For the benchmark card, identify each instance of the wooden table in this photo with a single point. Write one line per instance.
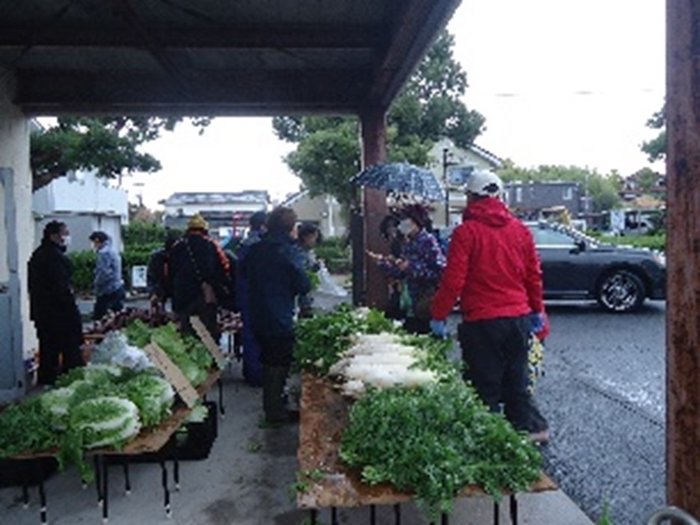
(148, 441)
(323, 416)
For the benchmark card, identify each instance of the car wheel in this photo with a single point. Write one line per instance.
(621, 291)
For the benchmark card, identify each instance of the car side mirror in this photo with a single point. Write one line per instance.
(579, 246)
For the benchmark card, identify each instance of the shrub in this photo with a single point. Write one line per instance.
(336, 254)
(83, 270)
(653, 242)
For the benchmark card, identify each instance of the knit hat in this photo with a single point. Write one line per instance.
(197, 222)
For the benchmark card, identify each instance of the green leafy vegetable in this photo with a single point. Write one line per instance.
(24, 428)
(433, 441)
(152, 395)
(321, 340)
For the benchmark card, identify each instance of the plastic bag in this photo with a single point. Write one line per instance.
(327, 285)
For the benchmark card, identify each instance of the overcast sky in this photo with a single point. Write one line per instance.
(559, 82)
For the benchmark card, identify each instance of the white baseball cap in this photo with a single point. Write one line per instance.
(485, 183)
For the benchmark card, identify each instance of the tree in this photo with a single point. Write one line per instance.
(656, 147)
(109, 145)
(429, 107)
(604, 190)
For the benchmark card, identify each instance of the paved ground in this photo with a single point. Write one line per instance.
(604, 395)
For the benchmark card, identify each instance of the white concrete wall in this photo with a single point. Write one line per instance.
(191, 209)
(14, 153)
(81, 192)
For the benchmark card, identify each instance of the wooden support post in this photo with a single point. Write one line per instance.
(683, 255)
(374, 206)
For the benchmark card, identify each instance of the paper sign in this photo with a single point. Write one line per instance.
(208, 341)
(172, 374)
(138, 276)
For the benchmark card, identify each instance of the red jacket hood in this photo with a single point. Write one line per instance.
(489, 211)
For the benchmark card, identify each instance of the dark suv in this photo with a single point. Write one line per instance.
(575, 266)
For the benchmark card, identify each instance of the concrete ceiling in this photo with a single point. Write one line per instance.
(214, 57)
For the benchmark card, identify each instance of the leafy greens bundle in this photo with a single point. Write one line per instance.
(433, 441)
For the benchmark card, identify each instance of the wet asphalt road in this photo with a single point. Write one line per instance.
(604, 397)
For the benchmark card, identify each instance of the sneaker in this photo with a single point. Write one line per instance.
(540, 438)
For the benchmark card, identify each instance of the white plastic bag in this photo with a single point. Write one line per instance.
(327, 285)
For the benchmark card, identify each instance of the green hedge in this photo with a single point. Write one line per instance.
(336, 254)
(83, 270)
(139, 233)
(84, 265)
(654, 242)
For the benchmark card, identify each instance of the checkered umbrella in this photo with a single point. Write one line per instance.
(401, 177)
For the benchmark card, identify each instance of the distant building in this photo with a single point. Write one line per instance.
(86, 203)
(322, 210)
(529, 199)
(453, 163)
(644, 182)
(224, 211)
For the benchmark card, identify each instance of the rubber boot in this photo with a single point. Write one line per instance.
(274, 406)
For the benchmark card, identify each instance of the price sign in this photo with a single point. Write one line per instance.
(208, 341)
(172, 374)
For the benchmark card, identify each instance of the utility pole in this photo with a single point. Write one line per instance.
(445, 164)
(683, 255)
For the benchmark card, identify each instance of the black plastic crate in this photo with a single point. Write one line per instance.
(30, 472)
(196, 442)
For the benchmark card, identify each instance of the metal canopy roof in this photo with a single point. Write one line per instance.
(214, 56)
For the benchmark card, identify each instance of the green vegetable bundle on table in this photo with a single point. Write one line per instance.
(101, 405)
(415, 423)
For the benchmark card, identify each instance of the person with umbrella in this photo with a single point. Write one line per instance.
(420, 265)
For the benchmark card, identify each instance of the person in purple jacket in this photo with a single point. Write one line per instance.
(420, 265)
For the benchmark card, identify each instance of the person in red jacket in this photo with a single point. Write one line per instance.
(493, 269)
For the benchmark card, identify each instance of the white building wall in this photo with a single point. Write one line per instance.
(190, 209)
(14, 153)
(85, 203)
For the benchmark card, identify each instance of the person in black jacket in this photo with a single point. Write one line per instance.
(52, 305)
(198, 270)
(157, 274)
(275, 275)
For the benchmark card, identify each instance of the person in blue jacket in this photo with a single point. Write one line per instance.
(276, 276)
(252, 366)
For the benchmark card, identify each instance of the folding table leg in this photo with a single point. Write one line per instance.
(176, 472)
(105, 488)
(314, 516)
(444, 519)
(166, 491)
(397, 514)
(222, 410)
(25, 489)
(98, 478)
(334, 516)
(372, 515)
(496, 513)
(127, 480)
(513, 509)
(42, 503)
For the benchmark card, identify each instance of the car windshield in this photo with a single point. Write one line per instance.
(558, 235)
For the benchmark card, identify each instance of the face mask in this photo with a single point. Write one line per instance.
(66, 240)
(405, 226)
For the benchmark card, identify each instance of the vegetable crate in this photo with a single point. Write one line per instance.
(194, 440)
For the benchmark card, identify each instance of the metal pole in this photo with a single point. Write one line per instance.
(447, 186)
(683, 255)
